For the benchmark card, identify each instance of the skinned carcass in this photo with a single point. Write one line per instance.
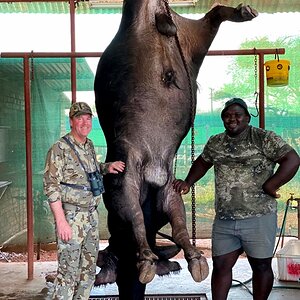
(145, 89)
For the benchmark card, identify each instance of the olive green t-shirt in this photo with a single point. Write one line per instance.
(242, 164)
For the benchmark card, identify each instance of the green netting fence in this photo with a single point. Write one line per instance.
(50, 85)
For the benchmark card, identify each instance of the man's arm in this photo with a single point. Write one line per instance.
(288, 167)
(63, 228)
(197, 171)
(52, 189)
(112, 167)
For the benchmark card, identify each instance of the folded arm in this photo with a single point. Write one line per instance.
(288, 167)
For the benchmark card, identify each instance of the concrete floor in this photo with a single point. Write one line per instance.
(14, 283)
(183, 284)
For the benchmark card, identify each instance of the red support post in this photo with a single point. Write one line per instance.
(261, 102)
(29, 198)
(73, 49)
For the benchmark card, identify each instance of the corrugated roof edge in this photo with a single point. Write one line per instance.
(63, 8)
(84, 8)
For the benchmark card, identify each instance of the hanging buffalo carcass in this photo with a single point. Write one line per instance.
(145, 89)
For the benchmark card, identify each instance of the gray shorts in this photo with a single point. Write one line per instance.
(256, 236)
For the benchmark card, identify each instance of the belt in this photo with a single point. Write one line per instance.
(76, 186)
(74, 207)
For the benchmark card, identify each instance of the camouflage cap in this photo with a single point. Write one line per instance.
(238, 101)
(79, 108)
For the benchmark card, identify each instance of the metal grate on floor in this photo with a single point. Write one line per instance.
(159, 297)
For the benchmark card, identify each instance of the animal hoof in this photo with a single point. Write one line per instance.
(147, 270)
(105, 276)
(198, 268)
(247, 12)
(165, 267)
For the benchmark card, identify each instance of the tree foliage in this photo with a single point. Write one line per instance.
(244, 74)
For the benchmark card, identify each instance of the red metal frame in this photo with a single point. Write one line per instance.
(73, 55)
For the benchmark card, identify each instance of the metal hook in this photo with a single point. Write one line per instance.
(256, 107)
(277, 55)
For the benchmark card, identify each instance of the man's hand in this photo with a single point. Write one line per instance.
(116, 167)
(63, 228)
(64, 231)
(270, 189)
(181, 186)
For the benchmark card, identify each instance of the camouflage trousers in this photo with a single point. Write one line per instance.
(77, 258)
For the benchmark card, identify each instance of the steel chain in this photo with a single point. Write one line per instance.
(193, 104)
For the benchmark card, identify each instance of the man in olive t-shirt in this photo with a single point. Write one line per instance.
(246, 188)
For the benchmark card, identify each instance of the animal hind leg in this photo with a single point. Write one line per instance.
(197, 263)
(241, 13)
(146, 258)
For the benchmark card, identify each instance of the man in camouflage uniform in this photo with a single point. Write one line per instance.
(74, 204)
(244, 159)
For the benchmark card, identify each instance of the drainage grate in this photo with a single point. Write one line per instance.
(159, 297)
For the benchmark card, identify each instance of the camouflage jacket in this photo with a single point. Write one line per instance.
(62, 165)
(241, 165)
